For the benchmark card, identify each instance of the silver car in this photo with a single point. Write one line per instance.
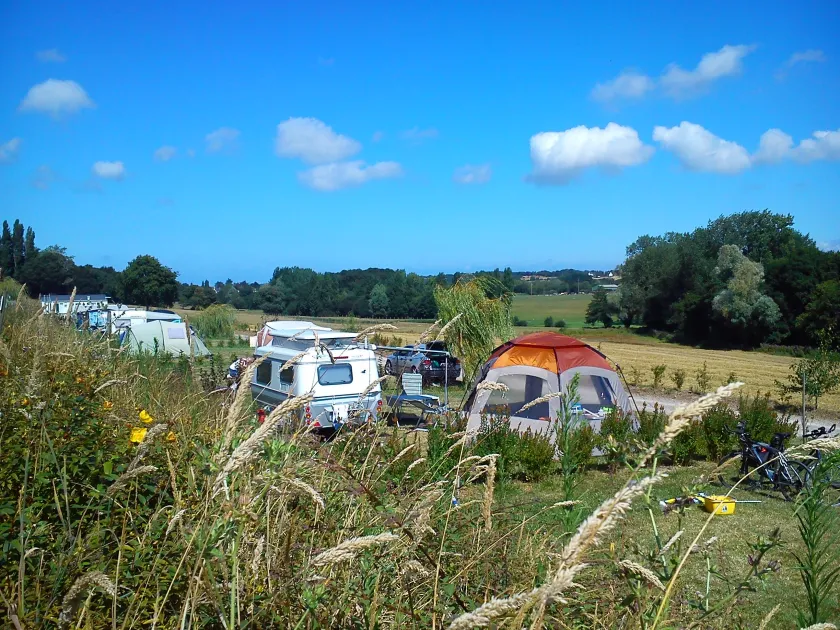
(434, 366)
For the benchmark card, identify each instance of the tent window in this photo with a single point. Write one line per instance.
(522, 388)
(595, 392)
(264, 373)
(176, 332)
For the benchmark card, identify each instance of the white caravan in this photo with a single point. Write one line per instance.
(336, 371)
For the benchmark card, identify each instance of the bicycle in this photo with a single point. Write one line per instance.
(764, 464)
(830, 475)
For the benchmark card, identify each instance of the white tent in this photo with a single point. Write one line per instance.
(164, 337)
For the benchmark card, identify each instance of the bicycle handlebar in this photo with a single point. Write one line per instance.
(821, 431)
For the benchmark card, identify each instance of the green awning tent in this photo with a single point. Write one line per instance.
(164, 337)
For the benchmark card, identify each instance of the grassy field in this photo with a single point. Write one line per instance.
(213, 518)
(535, 308)
(636, 354)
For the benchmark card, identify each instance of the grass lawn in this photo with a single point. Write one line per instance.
(535, 308)
(517, 501)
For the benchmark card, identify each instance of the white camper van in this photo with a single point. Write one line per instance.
(336, 372)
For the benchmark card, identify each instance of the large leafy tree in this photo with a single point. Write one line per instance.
(51, 271)
(742, 306)
(379, 302)
(822, 314)
(601, 309)
(146, 281)
(7, 265)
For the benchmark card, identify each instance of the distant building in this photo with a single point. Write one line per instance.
(608, 287)
(81, 303)
(533, 278)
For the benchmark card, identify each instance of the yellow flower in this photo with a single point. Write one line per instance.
(170, 437)
(145, 417)
(137, 435)
(24, 402)
(107, 405)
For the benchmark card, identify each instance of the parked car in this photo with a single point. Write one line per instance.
(426, 359)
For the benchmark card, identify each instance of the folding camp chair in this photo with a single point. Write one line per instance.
(413, 396)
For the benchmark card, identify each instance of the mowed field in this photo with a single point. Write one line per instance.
(758, 370)
(535, 308)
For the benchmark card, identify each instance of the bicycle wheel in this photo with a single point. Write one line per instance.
(729, 472)
(791, 478)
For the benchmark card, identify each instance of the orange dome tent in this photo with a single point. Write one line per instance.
(535, 365)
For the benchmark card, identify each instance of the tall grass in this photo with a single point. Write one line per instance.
(214, 520)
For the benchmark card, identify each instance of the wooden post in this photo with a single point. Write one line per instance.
(804, 382)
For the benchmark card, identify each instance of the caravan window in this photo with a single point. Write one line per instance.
(522, 388)
(337, 374)
(287, 375)
(264, 372)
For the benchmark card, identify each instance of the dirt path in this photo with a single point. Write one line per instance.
(670, 401)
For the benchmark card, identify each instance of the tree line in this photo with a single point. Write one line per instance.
(741, 281)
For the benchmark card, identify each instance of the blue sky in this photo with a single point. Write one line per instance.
(227, 141)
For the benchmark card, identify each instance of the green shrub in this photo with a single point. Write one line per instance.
(582, 440)
(516, 321)
(635, 376)
(651, 423)
(758, 416)
(731, 378)
(688, 445)
(704, 380)
(560, 323)
(495, 435)
(718, 423)
(534, 458)
(548, 322)
(658, 372)
(678, 378)
(619, 427)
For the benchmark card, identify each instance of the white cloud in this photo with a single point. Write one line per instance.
(53, 55)
(9, 150)
(109, 170)
(165, 153)
(701, 150)
(628, 84)
(313, 141)
(830, 246)
(223, 139)
(805, 56)
(823, 145)
(419, 135)
(56, 97)
(473, 174)
(559, 156)
(715, 65)
(339, 175)
(44, 177)
(774, 146)
(378, 136)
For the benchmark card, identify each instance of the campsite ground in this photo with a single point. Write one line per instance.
(636, 354)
